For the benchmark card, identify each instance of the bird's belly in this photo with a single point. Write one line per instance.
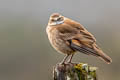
(60, 45)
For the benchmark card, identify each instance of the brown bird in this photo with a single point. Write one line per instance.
(68, 37)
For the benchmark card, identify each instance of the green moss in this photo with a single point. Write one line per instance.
(85, 72)
(80, 71)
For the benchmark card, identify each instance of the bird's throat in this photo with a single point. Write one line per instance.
(57, 23)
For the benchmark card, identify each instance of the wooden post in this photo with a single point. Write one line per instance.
(74, 71)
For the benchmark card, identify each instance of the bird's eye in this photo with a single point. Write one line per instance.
(59, 19)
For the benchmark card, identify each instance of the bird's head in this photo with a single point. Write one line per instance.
(56, 19)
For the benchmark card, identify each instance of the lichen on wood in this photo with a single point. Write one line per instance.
(74, 71)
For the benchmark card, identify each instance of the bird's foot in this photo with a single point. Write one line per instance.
(62, 63)
(69, 62)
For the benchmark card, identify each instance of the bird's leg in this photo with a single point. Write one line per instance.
(64, 59)
(69, 61)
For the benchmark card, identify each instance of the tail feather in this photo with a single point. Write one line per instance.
(102, 55)
(95, 51)
(106, 58)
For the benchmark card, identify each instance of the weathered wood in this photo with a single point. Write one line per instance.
(74, 71)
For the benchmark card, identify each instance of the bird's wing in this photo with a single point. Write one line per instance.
(70, 32)
(76, 40)
(81, 29)
(81, 40)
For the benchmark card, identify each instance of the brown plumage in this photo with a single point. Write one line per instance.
(68, 36)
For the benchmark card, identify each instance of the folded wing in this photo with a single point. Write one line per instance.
(83, 41)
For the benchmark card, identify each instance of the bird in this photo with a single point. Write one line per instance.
(68, 37)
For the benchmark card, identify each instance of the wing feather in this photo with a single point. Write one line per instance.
(79, 39)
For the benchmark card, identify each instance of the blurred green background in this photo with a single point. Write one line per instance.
(25, 52)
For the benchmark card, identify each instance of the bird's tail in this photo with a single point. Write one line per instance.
(95, 51)
(102, 55)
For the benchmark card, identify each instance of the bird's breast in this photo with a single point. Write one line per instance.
(57, 42)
